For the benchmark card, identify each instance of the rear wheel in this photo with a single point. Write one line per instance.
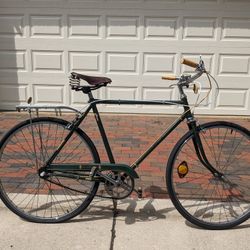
(24, 150)
(203, 199)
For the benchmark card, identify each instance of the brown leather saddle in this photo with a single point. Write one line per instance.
(92, 80)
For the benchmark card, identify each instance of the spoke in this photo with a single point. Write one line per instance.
(232, 147)
(191, 179)
(31, 196)
(18, 152)
(34, 146)
(222, 145)
(207, 198)
(31, 199)
(215, 155)
(48, 137)
(18, 186)
(11, 158)
(198, 201)
(54, 197)
(190, 156)
(41, 143)
(232, 161)
(45, 210)
(27, 142)
(70, 154)
(43, 151)
(51, 199)
(233, 150)
(213, 201)
(55, 136)
(213, 149)
(64, 191)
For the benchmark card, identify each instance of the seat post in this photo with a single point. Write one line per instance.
(91, 97)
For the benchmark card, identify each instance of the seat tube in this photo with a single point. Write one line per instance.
(103, 134)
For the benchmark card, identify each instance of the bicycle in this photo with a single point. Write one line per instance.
(50, 169)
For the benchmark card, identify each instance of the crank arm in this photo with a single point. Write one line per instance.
(106, 177)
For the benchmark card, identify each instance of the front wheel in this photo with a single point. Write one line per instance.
(24, 150)
(203, 199)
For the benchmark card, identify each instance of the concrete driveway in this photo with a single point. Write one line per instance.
(139, 224)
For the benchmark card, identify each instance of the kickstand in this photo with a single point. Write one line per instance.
(115, 207)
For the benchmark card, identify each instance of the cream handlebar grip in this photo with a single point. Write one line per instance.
(171, 78)
(189, 63)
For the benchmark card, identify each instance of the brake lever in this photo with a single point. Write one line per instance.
(172, 85)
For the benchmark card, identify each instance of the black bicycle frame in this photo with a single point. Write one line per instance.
(134, 102)
(93, 106)
(185, 115)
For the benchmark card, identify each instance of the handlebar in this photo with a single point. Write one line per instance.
(184, 79)
(171, 78)
(189, 63)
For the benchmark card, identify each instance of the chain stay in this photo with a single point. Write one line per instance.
(94, 177)
(81, 192)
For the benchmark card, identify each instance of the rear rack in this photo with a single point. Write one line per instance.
(37, 108)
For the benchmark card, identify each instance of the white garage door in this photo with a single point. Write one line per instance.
(133, 42)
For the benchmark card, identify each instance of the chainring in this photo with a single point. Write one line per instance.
(124, 185)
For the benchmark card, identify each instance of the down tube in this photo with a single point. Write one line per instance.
(158, 141)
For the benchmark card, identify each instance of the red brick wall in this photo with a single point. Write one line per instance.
(130, 136)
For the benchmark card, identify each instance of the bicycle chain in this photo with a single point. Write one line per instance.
(81, 192)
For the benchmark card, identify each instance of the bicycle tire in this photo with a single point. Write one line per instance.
(23, 150)
(205, 200)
